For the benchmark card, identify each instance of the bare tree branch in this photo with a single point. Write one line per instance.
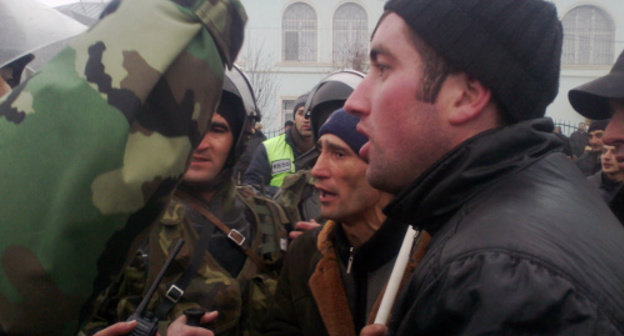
(258, 65)
(353, 56)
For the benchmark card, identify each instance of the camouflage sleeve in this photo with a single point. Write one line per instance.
(92, 145)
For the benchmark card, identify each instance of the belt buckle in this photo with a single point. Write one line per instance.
(174, 293)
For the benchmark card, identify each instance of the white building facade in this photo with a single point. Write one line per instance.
(593, 39)
(292, 44)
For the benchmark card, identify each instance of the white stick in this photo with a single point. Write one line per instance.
(395, 277)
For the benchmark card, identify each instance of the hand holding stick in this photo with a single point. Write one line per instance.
(395, 277)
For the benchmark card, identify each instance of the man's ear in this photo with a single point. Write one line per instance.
(467, 98)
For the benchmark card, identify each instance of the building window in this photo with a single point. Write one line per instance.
(299, 33)
(588, 37)
(350, 31)
(287, 109)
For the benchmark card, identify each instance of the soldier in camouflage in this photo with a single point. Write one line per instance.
(93, 145)
(242, 234)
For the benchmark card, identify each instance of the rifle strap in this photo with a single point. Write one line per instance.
(232, 234)
(176, 290)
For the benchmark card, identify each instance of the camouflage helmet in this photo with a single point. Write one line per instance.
(329, 95)
(237, 88)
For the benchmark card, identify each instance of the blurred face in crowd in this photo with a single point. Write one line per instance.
(595, 140)
(614, 134)
(341, 179)
(406, 134)
(210, 156)
(301, 123)
(581, 127)
(607, 159)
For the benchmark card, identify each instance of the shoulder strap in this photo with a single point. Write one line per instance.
(233, 234)
(176, 290)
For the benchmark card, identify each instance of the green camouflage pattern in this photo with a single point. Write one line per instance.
(299, 198)
(92, 146)
(242, 301)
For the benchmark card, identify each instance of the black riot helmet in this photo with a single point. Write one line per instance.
(329, 95)
(326, 97)
(238, 107)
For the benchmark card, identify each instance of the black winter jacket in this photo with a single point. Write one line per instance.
(311, 296)
(589, 163)
(521, 243)
(608, 188)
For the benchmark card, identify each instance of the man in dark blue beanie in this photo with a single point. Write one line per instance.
(453, 108)
(336, 273)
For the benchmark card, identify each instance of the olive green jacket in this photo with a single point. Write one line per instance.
(241, 299)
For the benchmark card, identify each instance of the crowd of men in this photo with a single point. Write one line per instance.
(136, 153)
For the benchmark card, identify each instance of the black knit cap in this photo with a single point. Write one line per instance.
(513, 47)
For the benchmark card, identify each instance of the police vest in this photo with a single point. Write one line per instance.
(281, 159)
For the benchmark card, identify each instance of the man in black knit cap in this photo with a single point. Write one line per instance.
(453, 109)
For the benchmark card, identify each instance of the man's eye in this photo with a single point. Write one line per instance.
(382, 68)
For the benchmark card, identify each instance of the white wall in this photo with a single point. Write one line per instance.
(572, 76)
(264, 28)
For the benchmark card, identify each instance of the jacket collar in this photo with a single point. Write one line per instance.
(327, 288)
(470, 168)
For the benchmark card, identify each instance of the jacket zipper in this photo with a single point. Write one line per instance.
(350, 260)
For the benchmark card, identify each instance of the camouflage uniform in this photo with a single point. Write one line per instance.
(241, 300)
(299, 198)
(92, 145)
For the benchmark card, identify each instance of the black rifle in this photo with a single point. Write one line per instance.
(147, 322)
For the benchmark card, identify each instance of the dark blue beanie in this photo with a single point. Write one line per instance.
(342, 125)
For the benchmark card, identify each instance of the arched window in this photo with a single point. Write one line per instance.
(350, 29)
(299, 33)
(588, 36)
